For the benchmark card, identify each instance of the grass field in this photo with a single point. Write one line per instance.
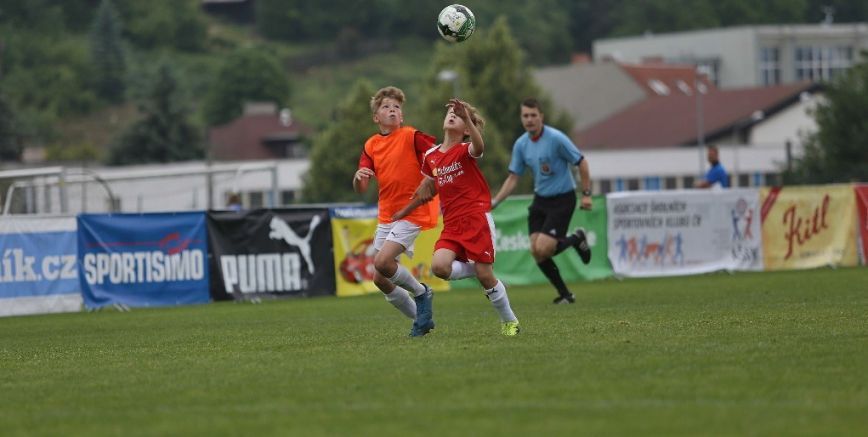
(769, 354)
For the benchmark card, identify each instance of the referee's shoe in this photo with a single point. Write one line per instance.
(581, 245)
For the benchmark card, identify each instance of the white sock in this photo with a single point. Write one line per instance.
(405, 280)
(500, 301)
(401, 300)
(461, 270)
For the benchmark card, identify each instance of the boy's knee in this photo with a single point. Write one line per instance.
(385, 266)
(441, 271)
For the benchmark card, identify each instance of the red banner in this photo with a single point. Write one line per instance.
(862, 211)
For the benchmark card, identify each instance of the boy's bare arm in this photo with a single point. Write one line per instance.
(477, 145)
(361, 179)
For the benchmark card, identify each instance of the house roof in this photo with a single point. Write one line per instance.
(247, 136)
(659, 79)
(672, 120)
(591, 92)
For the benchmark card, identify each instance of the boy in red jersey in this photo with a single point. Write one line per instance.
(387, 156)
(466, 245)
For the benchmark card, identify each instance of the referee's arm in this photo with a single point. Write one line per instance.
(585, 175)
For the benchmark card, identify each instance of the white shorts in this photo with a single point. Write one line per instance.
(401, 232)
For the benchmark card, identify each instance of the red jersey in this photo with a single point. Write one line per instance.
(460, 184)
(395, 159)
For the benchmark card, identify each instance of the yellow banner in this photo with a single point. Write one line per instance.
(807, 227)
(354, 256)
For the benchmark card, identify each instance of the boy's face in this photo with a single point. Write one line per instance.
(452, 121)
(389, 114)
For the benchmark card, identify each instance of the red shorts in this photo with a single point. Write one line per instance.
(470, 236)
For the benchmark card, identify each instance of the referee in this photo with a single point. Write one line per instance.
(549, 154)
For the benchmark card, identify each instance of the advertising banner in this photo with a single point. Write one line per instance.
(271, 253)
(143, 260)
(807, 227)
(514, 264)
(38, 269)
(862, 211)
(663, 233)
(353, 229)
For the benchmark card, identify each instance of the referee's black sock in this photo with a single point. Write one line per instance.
(550, 269)
(564, 243)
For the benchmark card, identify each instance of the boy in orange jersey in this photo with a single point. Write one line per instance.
(466, 245)
(393, 156)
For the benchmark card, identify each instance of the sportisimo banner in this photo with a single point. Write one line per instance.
(662, 233)
(143, 259)
(38, 269)
(271, 253)
(514, 264)
(353, 229)
(806, 227)
(862, 211)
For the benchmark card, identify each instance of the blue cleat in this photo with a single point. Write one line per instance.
(424, 322)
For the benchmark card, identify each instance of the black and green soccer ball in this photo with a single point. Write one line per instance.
(456, 23)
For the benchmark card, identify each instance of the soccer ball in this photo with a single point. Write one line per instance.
(456, 23)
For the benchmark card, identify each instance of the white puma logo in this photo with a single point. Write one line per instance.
(281, 231)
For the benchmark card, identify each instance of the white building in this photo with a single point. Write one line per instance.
(182, 186)
(749, 55)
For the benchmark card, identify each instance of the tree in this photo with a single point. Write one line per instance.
(838, 151)
(493, 77)
(165, 24)
(164, 134)
(335, 152)
(107, 54)
(246, 75)
(10, 140)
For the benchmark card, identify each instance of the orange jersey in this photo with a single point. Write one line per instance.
(396, 161)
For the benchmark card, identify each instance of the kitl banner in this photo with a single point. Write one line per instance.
(514, 265)
(38, 268)
(271, 253)
(862, 211)
(807, 227)
(664, 233)
(143, 260)
(353, 229)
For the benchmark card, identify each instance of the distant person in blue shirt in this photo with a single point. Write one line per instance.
(716, 174)
(550, 155)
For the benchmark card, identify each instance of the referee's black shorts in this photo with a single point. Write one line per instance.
(551, 215)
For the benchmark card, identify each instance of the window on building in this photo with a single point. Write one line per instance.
(821, 63)
(633, 184)
(772, 179)
(671, 182)
(256, 199)
(287, 197)
(744, 180)
(689, 181)
(605, 186)
(711, 69)
(659, 87)
(652, 183)
(770, 66)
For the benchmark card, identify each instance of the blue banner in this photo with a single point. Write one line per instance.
(143, 259)
(38, 264)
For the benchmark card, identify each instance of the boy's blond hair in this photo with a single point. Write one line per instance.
(391, 92)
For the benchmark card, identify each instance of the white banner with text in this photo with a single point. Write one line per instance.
(666, 233)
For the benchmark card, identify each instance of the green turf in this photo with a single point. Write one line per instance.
(768, 354)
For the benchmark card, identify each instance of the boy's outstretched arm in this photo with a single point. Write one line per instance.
(424, 193)
(477, 145)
